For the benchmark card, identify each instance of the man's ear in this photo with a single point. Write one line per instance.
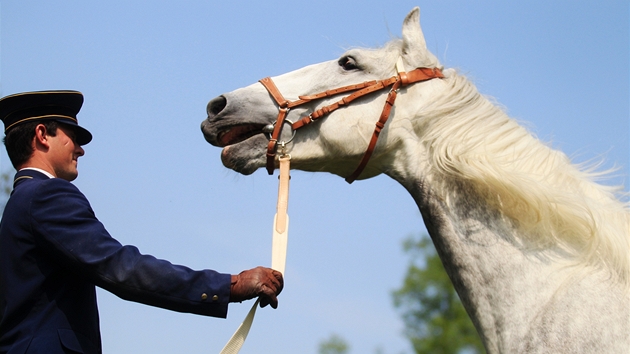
(41, 136)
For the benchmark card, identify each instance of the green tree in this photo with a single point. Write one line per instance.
(333, 345)
(435, 319)
(5, 188)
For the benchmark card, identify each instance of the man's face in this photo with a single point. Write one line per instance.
(64, 153)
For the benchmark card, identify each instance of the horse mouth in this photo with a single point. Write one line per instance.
(238, 133)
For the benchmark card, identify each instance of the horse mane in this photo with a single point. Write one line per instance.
(553, 202)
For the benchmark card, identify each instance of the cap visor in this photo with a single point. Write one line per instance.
(83, 136)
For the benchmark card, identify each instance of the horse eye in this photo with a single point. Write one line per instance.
(348, 63)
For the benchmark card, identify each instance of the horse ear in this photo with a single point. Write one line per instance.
(414, 48)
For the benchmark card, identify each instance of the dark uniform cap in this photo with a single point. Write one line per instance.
(61, 106)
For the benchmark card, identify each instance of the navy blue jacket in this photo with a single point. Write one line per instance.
(54, 251)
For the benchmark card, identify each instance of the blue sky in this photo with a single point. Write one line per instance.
(148, 69)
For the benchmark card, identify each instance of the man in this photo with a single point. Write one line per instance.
(54, 251)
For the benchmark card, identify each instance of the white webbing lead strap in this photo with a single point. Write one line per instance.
(278, 253)
(281, 220)
(235, 343)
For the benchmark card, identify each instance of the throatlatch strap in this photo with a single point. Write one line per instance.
(391, 98)
(278, 253)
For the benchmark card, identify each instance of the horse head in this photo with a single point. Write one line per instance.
(237, 120)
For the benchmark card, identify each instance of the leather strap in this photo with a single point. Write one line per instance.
(272, 147)
(365, 90)
(274, 92)
(389, 103)
(337, 91)
(403, 79)
(283, 110)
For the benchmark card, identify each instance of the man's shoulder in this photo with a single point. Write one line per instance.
(31, 186)
(56, 188)
(45, 200)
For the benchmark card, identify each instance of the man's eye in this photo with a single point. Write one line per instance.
(348, 63)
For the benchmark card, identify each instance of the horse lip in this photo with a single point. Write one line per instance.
(235, 134)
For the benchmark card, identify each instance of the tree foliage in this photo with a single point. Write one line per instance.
(435, 319)
(333, 345)
(5, 188)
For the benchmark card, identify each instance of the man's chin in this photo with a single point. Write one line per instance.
(68, 175)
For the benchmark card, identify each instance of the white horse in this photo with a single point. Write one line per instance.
(537, 251)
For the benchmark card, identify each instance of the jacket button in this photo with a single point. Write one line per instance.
(204, 296)
(215, 298)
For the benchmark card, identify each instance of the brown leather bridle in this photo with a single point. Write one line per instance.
(402, 79)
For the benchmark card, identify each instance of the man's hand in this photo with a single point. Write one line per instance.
(260, 282)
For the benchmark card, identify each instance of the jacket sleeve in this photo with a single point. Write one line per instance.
(68, 229)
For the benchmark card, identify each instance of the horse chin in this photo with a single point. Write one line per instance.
(247, 156)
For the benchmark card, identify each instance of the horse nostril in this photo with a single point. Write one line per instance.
(216, 105)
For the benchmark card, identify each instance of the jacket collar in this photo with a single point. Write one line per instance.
(27, 173)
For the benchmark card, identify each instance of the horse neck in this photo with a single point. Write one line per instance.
(506, 284)
(462, 136)
(492, 276)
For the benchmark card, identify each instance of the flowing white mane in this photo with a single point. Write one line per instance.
(555, 202)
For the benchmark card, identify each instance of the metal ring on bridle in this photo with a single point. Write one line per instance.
(269, 130)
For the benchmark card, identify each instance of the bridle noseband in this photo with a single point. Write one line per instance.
(401, 80)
